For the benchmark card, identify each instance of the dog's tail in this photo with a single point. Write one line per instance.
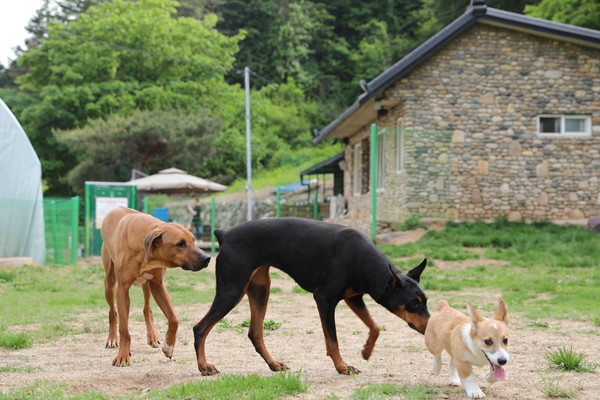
(219, 233)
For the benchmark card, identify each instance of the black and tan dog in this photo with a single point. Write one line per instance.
(332, 261)
(136, 250)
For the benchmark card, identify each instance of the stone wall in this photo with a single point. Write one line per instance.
(471, 144)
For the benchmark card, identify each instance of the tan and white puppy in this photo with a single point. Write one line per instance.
(469, 341)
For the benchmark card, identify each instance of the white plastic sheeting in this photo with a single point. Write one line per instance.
(21, 200)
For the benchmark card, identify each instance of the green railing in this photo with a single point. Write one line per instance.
(61, 225)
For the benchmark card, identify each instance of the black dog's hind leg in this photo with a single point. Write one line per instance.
(326, 307)
(357, 304)
(258, 296)
(225, 300)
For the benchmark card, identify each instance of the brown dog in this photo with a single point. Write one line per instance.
(137, 249)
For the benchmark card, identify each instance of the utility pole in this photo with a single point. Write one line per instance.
(248, 143)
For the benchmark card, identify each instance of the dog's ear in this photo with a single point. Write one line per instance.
(149, 241)
(475, 316)
(502, 312)
(395, 279)
(416, 272)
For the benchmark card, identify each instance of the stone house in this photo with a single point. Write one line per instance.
(496, 115)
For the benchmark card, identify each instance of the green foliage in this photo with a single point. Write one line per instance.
(567, 360)
(271, 325)
(411, 223)
(584, 13)
(116, 58)
(144, 140)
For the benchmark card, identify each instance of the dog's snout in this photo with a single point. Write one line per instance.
(203, 261)
(502, 361)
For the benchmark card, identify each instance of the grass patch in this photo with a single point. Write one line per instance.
(551, 271)
(567, 360)
(235, 387)
(46, 294)
(9, 369)
(384, 391)
(48, 390)
(224, 387)
(299, 290)
(538, 324)
(553, 389)
(9, 340)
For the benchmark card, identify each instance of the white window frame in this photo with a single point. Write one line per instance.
(356, 169)
(563, 133)
(380, 161)
(400, 145)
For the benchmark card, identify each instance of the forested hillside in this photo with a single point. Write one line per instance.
(106, 86)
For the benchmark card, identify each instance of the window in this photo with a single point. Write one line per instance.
(564, 125)
(400, 145)
(356, 169)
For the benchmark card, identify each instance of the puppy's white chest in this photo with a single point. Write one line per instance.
(140, 280)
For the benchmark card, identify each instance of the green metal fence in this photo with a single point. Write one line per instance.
(61, 221)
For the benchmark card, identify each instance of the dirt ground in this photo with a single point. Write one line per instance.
(399, 358)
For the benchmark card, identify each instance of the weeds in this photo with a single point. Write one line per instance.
(566, 360)
(553, 389)
(14, 341)
(411, 223)
(539, 324)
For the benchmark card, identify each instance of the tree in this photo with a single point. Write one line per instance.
(116, 58)
(145, 140)
(584, 13)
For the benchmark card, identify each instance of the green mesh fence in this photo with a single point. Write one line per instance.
(61, 220)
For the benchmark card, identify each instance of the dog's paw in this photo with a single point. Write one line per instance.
(208, 369)
(278, 366)
(454, 381)
(347, 370)
(122, 360)
(168, 350)
(476, 394)
(112, 343)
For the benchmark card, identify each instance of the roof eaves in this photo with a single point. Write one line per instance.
(331, 160)
(542, 26)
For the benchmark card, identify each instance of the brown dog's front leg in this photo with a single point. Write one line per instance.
(110, 284)
(123, 357)
(151, 333)
(162, 298)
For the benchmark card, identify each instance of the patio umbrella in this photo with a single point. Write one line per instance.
(173, 181)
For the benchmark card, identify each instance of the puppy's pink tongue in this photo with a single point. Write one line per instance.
(499, 372)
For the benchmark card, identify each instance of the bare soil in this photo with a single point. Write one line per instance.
(399, 358)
